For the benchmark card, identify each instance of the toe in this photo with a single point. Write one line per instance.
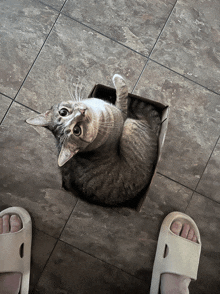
(194, 239)
(5, 226)
(191, 234)
(15, 223)
(176, 227)
(185, 231)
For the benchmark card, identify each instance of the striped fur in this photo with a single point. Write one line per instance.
(113, 158)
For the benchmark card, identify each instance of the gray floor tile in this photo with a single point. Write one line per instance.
(136, 24)
(164, 197)
(72, 271)
(209, 184)
(57, 4)
(24, 26)
(75, 54)
(72, 55)
(206, 214)
(124, 237)
(4, 102)
(193, 127)
(29, 173)
(42, 247)
(124, 240)
(190, 42)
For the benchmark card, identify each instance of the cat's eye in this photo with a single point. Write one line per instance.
(77, 130)
(63, 112)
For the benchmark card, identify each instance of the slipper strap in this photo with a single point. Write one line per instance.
(12, 245)
(182, 256)
(15, 248)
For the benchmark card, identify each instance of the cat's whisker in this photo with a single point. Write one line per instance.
(71, 96)
(80, 91)
(76, 94)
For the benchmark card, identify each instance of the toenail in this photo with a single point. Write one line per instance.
(176, 227)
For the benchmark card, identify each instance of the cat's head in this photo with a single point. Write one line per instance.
(74, 124)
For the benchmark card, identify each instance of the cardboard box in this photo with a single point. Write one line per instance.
(109, 94)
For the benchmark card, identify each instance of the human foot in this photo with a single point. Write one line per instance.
(10, 282)
(172, 283)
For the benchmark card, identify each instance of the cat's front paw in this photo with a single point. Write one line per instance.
(118, 81)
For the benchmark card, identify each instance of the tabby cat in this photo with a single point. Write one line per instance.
(104, 154)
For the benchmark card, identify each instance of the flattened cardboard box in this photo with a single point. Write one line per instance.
(109, 94)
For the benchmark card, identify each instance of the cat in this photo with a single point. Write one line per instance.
(105, 155)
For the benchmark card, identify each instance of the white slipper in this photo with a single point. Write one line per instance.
(182, 255)
(15, 248)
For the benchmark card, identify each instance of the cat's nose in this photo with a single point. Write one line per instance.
(82, 111)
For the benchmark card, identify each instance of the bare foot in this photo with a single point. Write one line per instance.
(10, 282)
(171, 283)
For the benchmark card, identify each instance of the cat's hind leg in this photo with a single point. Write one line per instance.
(121, 94)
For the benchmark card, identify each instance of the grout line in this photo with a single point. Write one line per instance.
(109, 264)
(51, 7)
(202, 176)
(189, 202)
(207, 163)
(19, 104)
(35, 286)
(175, 181)
(193, 190)
(57, 240)
(185, 77)
(6, 112)
(140, 76)
(102, 34)
(6, 96)
(26, 106)
(31, 66)
(37, 56)
(68, 219)
(141, 54)
(158, 37)
(93, 256)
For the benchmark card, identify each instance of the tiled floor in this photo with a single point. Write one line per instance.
(169, 51)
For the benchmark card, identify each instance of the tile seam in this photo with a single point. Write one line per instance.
(4, 116)
(68, 219)
(207, 162)
(95, 257)
(28, 72)
(35, 286)
(185, 77)
(60, 12)
(192, 190)
(6, 96)
(138, 79)
(102, 34)
(163, 28)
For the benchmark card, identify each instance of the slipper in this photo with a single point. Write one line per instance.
(182, 255)
(15, 248)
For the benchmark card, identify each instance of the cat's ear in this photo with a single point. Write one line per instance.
(66, 153)
(41, 120)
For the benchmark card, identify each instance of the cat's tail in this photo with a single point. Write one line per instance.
(121, 94)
